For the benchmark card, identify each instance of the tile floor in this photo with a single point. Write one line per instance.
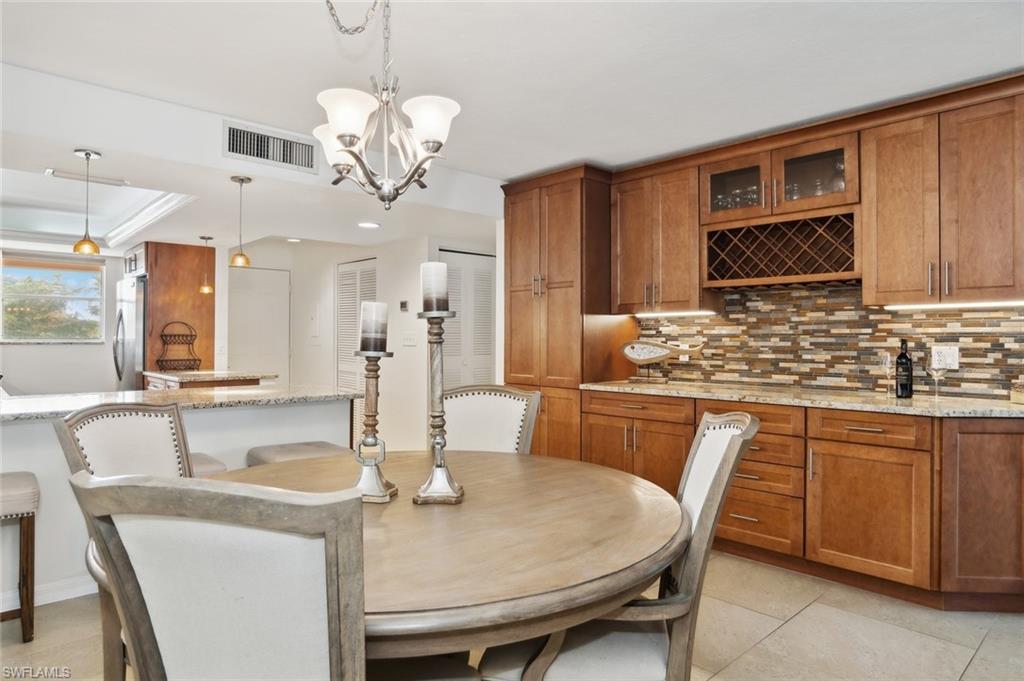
(756, 623)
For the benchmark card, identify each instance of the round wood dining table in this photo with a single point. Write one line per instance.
(538, 545)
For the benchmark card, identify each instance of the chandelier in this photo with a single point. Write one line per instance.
(355, 118)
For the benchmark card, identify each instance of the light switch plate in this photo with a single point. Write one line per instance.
(946, 356)
(409, 340)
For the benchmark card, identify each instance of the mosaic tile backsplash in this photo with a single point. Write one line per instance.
(825, 338)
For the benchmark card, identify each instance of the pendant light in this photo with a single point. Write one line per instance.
(240, 259)
(206, 288)
(85, 245)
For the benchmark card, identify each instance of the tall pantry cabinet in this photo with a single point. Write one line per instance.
(558, 331)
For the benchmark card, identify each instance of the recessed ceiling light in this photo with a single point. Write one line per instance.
(369, 225)
(293, 240)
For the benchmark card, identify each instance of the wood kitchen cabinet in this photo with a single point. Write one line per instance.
(981, 193)
(809, 175)
(656, 244)
(173, 272)
(522, 269)
(869, 510)
(900, 212)
(557, 432)
(983, 505)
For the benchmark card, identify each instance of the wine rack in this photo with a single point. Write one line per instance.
(814, 248)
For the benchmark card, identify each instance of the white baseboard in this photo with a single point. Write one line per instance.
(51, 593)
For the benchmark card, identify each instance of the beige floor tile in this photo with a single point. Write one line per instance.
(81, 658)
(966, 628)
(698, 674)
(56, 623)
(823, 643)
(1001, 655)
(725, 631)
(768, 590)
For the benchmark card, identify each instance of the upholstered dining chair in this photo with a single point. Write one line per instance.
(490, 418)
(645, 640)
(274, 588)
(126, 439)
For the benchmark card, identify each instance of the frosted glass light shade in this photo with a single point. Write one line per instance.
(431, 117)
(332, 147)
(347, 110)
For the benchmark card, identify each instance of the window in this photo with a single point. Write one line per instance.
(51, 299)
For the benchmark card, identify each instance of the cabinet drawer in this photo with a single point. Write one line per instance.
(155, 383)
(888, 430)
(778, 449)
(653, 408)
(770, 477)
(771, 521)
(775, 419)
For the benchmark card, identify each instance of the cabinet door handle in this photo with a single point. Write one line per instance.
(748, 518)
(931, 266)
(748, 476)
(764, 193)
(534, 285)
(775, 194)
(645, 295)
(540, 284)
(945, 283)
(754, 448)
(625, 438)
(634, 437)
(810, 463)
(654, 294)
(632, 406)
(864, 429)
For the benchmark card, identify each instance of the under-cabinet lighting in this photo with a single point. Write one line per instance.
(665, 315)
(982, 305)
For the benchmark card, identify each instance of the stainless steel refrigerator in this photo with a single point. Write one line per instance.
(130, 333)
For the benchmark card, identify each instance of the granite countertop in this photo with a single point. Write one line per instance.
(197, 376)
(923, 404)
(33, 407)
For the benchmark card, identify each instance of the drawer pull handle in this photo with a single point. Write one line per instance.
(632, 406)
(737, 516)
(865, 429)
(748, 476)
(754, 448)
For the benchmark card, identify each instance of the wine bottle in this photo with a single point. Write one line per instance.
(904, 372)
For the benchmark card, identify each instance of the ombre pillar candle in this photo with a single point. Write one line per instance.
(373, 334)
(434, 280)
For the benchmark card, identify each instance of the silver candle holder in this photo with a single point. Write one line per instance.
(375, 488)
(440, 487)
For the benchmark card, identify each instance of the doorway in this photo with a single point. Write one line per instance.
(469, 337)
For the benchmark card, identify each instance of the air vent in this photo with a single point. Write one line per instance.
(263, 146)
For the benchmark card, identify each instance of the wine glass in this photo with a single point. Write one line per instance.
(936, 372)
(885, 361)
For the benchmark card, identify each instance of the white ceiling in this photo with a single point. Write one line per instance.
(38, 203)
(541, 84)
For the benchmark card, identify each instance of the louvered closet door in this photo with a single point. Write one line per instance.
(469, 337)
(356, 282)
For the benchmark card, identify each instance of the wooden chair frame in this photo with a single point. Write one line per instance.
(532, 400)
(679, 592)
(337, 517)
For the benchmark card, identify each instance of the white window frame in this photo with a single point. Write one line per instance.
(42, 259)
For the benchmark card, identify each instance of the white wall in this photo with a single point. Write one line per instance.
(66, 367)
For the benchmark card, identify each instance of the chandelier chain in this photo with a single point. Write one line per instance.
(352, 30)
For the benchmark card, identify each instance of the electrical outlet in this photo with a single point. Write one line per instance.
(946, 356)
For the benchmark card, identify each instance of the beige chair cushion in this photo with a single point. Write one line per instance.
(595, 651)
(292, 451)
(19, 494)
(420, 669)
(204, 465)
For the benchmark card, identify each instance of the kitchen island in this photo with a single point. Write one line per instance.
(221, 422)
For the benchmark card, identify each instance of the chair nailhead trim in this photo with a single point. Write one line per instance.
(122, 414)
(16, 515)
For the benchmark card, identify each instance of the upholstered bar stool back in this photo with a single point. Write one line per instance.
(490, 418)
(19, 498)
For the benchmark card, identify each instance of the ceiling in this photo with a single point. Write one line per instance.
(541, 84)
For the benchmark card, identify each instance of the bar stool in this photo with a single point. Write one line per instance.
(19, 498)
(292, 451)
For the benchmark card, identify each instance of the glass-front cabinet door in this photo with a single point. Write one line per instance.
(815, 174)
(735, 189)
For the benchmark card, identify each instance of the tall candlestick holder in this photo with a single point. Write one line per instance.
(375, 488)
(440, 487)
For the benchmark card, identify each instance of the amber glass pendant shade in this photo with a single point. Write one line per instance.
(240, 259)
(86, 246)
(206, 288)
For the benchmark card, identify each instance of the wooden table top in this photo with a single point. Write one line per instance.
(533, 535)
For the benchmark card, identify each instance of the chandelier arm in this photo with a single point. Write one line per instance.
(371, 175)
(356, 182)
(407, 145)
(413, 173)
